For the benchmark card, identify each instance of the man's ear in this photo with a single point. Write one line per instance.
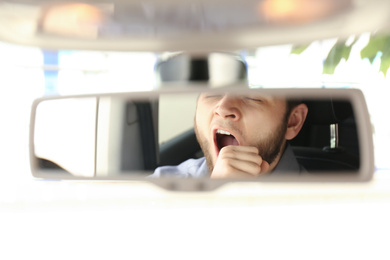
(295, 121)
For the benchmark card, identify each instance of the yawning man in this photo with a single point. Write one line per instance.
(242, 137)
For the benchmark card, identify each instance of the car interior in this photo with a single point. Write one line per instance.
(107, 51)
(328, 140)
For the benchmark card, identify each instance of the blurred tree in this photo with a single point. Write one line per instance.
(378, 46)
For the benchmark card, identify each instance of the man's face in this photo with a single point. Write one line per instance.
(258, 121)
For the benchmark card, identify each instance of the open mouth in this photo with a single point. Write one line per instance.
(224, 138)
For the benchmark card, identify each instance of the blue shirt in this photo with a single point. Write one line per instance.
(197, 168)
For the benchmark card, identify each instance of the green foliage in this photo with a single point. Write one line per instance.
(378, 44)
(299, 49)
(377, 47)
(338, 52)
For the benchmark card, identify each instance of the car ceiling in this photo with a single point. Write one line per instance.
(194, 25)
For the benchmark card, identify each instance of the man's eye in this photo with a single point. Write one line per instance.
(213, 96)
(254, 99)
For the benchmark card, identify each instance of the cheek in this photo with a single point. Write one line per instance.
(264, 124)
(200, 122)
(202, 115)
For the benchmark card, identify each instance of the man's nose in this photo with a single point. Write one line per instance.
(229, 107)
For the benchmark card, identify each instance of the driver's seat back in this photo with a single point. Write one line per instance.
(312, 146)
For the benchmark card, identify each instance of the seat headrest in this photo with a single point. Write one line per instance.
(328, 112)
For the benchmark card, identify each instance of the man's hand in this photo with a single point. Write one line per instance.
(239, 162)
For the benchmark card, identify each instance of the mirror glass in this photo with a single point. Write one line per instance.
(251, 133)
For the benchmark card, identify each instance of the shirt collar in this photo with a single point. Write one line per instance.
(288, 163)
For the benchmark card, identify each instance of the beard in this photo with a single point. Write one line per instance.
(269, 145)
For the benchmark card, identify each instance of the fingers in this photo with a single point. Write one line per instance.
(264, 167)
(239, 162)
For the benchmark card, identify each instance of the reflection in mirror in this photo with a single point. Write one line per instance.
(65, 135)
(214, 134)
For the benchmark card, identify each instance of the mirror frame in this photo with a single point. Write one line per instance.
(355, 96)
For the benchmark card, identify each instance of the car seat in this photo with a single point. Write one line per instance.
(328, 140)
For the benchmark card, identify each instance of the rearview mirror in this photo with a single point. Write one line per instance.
(127, 136)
